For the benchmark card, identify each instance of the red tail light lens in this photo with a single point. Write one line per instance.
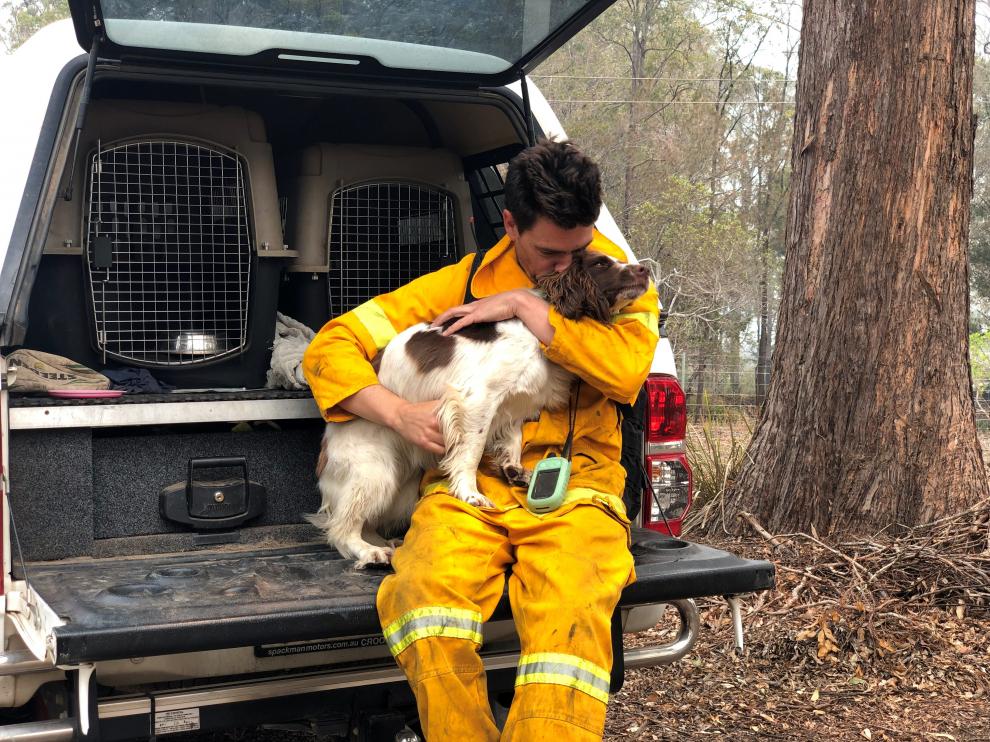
(667, 411)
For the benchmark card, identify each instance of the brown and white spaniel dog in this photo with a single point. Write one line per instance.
(489, 377)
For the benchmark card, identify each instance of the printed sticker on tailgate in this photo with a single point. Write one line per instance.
(324, 645)
(180, 720)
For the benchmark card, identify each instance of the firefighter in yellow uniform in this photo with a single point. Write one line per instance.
(569, 566)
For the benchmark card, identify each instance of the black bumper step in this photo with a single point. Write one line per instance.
(121, 608)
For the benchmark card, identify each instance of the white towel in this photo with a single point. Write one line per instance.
(291, 340)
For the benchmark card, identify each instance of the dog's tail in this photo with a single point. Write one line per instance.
(321, 519)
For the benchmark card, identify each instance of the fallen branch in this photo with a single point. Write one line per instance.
(755, 525)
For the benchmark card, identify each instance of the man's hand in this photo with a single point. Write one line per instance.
(494, 308)
(520, 303)
(417, 422)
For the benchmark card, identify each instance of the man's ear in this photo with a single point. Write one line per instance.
(509, 222)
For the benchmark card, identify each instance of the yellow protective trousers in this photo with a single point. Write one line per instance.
(567, 571)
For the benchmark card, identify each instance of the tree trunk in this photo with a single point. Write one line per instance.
(734, 365)
(629, 148)
(637, 69)
(763, 342)
(869, 418)
(698, 385)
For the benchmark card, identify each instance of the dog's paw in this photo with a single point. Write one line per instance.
(476, 499)
(517, 476)
(375, 556)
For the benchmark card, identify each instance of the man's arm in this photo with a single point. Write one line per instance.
(337, 362)
(613, 358)
(416, 422)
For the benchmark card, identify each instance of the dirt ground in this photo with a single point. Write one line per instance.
(815, 669)
(866, 640)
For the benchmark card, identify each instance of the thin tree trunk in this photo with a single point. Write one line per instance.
(637, 71)
(735, 363)
(869, 419)
(763, 340)
(629, 172)
(700, 372)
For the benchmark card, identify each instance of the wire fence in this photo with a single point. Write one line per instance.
(715, 389)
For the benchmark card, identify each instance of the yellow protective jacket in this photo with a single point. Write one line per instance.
(613, 361)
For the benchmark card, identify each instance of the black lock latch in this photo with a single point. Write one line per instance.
(212, 504)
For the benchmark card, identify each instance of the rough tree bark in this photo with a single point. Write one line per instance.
(869, 418)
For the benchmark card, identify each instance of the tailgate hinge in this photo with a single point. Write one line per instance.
(32, 620)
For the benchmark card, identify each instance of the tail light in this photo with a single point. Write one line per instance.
(665, 506)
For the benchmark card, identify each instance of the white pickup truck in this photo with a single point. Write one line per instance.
(169, 187)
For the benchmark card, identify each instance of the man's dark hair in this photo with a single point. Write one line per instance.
(554, 180)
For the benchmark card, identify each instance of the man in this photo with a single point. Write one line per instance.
(568, 566)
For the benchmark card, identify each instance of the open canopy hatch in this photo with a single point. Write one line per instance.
(465, 42)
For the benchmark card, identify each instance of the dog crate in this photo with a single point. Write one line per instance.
(169, 252)
(366, 220)
(383, 235)
(166, 255)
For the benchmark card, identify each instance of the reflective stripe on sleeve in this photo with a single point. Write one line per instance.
(564, 669)
(434, 487)
(376, 322)
(432, 621)
(649, 320)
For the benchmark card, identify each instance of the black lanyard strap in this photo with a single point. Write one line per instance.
(571, 420)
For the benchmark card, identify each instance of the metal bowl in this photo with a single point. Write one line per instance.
(195, 344)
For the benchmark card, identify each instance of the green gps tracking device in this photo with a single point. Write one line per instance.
(548, 485)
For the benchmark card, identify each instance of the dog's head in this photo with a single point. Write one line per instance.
(595, 286)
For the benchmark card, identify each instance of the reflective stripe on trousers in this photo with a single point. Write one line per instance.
(432, 621)
(566, 670)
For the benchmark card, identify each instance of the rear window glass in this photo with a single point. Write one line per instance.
(483, 36)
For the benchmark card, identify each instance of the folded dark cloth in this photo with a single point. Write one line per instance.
(136, 381)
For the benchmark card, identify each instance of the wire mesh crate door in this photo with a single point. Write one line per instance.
(176, 290)
(383, 235)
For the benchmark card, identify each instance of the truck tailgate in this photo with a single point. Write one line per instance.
(120, 608)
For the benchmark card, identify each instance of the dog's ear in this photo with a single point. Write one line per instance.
(574, 294)
(598, 306)
(564, 292)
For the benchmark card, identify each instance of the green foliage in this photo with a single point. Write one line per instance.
(25, 17)
(979, 361)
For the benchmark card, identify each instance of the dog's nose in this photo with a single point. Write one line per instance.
(638, 269)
